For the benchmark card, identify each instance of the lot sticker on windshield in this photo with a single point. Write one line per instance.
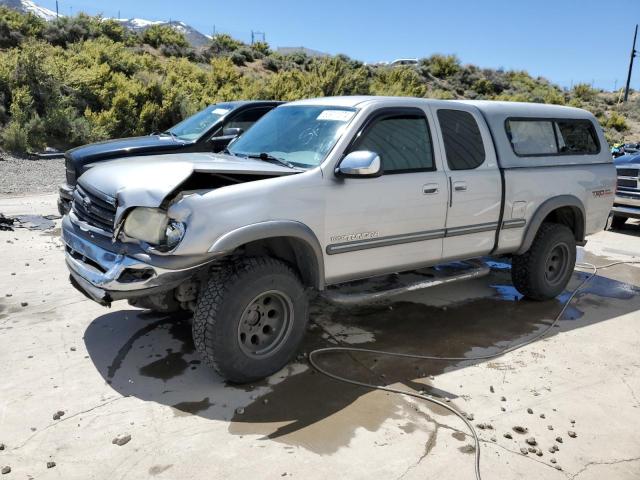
(335, 115)
(220, 111)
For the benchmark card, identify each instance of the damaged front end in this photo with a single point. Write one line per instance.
(127, 221)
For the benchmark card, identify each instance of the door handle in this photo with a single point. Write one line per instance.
(430, 188)
(460, 186)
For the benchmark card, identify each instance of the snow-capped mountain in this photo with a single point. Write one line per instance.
(194, 37)
(27, 6)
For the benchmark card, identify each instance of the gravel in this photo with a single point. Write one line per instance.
(22, 175)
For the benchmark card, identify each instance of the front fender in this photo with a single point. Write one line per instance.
(228, 242)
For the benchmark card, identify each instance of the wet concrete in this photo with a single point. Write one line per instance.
(30, 222)
(133, 372)
(298, 409)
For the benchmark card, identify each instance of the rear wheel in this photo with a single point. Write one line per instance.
(250, 318)
(544, 271)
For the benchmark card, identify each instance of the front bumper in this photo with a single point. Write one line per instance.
(106, 276)
(65, 198)
(627, 204)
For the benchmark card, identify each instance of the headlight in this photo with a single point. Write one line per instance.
(151, 225)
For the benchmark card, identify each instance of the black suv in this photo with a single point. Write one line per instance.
(209, 130)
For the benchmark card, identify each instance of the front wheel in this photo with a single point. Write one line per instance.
(250, 318)
(544, 271)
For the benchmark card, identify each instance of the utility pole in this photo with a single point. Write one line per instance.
(57, 10)
(633, 54)
(257, 34)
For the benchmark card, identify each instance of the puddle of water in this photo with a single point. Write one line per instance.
(167, 367)
(191, 408)
(36, 222)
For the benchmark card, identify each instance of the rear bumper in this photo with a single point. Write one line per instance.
(106, 276)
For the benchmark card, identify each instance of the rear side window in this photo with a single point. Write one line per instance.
(546, 137)
(576, 138)
(402, 142)
(462, 140)
(246, 119)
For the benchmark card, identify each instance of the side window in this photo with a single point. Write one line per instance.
(462, 139)
(246, 119)
(552, 137)
(532, 137)
(402, 141)
(577, 138)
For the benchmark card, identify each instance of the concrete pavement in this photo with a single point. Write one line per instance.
(123, 371)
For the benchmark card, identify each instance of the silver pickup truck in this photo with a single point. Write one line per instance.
(323, 192)
(627, 200)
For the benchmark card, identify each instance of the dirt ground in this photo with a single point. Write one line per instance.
(77, 377)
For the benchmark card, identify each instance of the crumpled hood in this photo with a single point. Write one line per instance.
(146, 181)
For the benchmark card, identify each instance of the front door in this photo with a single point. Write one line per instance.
(475, 188)
(395, 221)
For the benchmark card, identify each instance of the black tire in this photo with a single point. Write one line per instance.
(544, 270)
(243, 290)
(616, 222)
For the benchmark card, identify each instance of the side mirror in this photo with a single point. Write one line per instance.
(232, 132)
(360, 164)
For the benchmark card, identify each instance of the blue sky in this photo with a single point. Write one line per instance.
(566, 41)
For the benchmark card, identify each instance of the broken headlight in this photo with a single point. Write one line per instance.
(153, 226)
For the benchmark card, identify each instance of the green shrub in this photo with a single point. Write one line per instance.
(222, 44)
(442, 66)
(584, 92)
(237, 58)
(247, 53)
(262, 47)
(272, 63)
(616, 122)
(15, 27)
(164, 36)
(400, 81)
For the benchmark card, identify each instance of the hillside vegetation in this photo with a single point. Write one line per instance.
(82, 79)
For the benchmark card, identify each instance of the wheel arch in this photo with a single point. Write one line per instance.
(288, 240)
(564, 209)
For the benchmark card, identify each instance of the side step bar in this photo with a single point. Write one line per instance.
(378, 289)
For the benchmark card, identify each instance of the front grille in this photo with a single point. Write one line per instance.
(70, 171)
(94, 210)
(627, 183)
(627, 172)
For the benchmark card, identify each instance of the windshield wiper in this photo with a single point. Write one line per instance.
(169, 132)
(266, 157)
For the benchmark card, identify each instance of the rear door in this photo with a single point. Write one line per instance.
(475, 189)
(395, 221)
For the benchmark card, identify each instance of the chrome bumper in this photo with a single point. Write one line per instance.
(627, 204)
(106, 276)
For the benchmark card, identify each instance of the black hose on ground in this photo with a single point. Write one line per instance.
(321, 351)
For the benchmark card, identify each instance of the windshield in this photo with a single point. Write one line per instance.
(193, 127)
(300, 135)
